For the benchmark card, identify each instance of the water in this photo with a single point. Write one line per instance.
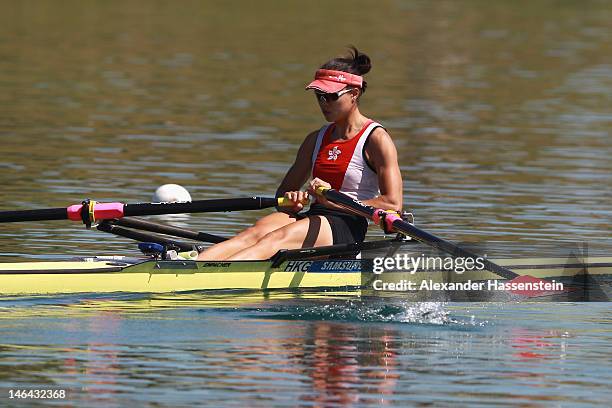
(499, 112)
(501, 116)
(242, 348)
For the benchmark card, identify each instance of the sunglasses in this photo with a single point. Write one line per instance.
(331, 97)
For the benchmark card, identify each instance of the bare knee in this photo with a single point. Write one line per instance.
(266, 225)
(273, 238)
(251, 235)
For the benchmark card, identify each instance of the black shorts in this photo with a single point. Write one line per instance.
(346, 228)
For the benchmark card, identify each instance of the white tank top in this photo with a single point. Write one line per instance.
(342, 163)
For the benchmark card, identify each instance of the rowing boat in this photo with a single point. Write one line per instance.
(101, 275)
(346, 266)
(288, 270)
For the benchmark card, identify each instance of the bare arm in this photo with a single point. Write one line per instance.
(382, 155)
(299, 171)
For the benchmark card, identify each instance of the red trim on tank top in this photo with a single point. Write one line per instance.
(335, 172)
(330, 130)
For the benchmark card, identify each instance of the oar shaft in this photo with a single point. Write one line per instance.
(138, 223)
(225, 205)
(404, 227)
(141, 236)
(106, 211)
(48, 214)
(449, 247)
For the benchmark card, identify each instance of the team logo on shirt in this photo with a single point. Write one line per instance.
(334, 153)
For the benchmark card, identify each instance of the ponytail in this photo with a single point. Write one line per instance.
(356, 63)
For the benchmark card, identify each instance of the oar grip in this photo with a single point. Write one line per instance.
(321, 190)
(283, 202)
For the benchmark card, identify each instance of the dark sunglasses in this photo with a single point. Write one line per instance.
(332, 96)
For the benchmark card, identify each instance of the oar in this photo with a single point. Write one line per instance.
(139, 236)
(144, 225)
(90, 211)
(394, 222)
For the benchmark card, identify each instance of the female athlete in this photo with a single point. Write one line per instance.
(352, 154)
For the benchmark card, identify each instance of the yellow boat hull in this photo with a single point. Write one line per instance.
(164, 276)
(154, 276)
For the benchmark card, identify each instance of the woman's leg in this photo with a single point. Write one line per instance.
(308, 232)
(246, 238)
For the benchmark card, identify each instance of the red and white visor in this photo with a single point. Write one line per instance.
(330, 81)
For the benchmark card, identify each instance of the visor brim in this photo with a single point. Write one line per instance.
(326, 86)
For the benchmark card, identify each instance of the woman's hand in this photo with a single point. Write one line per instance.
(299, 198)
(312, 189)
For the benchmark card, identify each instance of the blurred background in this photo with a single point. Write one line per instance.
(500, 110)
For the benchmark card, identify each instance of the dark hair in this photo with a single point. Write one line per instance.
(356, 63)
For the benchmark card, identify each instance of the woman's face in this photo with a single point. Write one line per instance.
(336, 106)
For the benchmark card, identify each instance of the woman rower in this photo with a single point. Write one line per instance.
(352, 154)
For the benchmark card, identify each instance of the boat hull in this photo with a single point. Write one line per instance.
(154, 276)
(168, 276)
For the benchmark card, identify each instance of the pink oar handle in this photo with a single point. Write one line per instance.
(102, 211)
(389, 218)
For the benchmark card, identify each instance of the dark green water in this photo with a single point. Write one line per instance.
(241, 349)
(500, 112)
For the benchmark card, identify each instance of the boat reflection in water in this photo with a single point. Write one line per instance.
(320, 349)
